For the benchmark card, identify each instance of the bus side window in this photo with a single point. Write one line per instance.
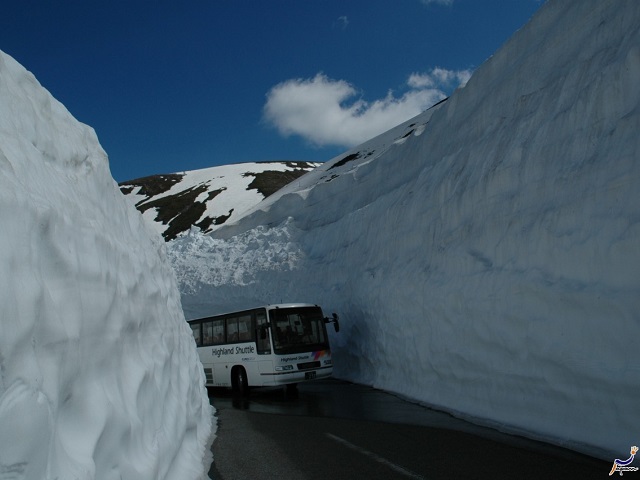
(232, 329)
(208, 332)
(244, 328)
(218, 331)
(263, 344)
(195, 328)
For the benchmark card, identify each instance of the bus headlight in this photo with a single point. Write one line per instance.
(327, 362)
(284, 368)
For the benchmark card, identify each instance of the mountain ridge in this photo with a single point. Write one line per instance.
(207, 198)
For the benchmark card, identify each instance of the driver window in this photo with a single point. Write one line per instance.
(263, 344)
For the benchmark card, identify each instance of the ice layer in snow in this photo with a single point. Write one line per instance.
(99, 376)
(484, 256)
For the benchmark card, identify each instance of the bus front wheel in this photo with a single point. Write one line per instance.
(239, 381)
(291, 390)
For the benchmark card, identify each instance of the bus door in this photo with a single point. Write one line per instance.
(213, 331)
(263, 342)
(207, 362)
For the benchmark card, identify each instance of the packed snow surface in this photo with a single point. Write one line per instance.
(99, 376)
(484, 257)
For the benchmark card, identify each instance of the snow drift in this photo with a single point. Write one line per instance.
(483, 256)
(99, 373)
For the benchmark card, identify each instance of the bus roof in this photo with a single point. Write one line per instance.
(270, 306)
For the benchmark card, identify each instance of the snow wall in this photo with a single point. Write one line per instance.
(484, 257)
(99, 373)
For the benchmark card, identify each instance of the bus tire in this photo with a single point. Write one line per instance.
(291, 390)
(239, 381)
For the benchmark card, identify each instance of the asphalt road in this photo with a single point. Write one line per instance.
(337, 430)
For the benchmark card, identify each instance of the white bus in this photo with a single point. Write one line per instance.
(271, 345)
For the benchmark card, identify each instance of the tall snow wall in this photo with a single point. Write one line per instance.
(485, 256)
(99, 373)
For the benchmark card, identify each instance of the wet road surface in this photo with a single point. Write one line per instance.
(337, 430)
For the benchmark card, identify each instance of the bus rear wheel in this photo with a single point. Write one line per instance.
(239, 381)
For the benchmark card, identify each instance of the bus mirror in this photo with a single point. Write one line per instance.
(263, 333)
(336, 324)
(334, 320)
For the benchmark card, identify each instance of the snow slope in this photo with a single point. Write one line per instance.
(483, 256)
(209, 197)
(99, 376)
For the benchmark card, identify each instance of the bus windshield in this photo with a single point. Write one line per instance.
(297, 330)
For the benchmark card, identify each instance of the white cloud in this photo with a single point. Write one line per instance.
(342, 22)
(440, 78)
(329, 112)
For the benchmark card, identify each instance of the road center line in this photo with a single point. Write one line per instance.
(375, 457)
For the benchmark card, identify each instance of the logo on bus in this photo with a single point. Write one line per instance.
(307, 356)
(218, 352)
(318, 354)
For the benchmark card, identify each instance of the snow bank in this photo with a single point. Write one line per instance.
(484, 256)
(99, 373)
(249, 261)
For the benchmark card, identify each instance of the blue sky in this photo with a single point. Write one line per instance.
(171, 86)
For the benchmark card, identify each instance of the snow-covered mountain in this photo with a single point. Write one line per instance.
(208, 198)
(484, 256)
(99, 375)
